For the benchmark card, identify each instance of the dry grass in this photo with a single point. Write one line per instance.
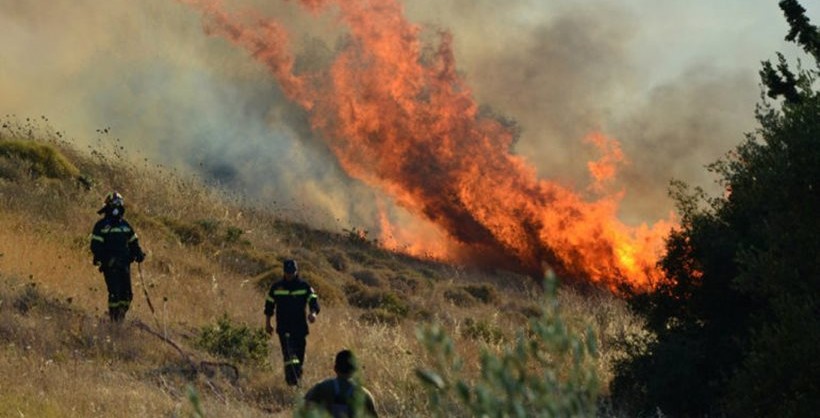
(211, 255)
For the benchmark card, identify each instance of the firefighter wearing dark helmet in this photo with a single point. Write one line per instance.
(290, 298)
(115, 246)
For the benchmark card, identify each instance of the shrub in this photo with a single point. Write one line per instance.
(29, 298)
(367, 277)
(482, 330)
(459, 297)
(361, 297)
(405, 283)
(337, 260)
(546, 373)
(234, 342)
(483, 292)
(232, 234)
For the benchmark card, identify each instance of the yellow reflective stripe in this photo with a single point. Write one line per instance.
(116, 229)
(300, 292)
(312, 296)
(97, 238)
(123, 303)
(292, 361)
(134, 238)
(270, 299)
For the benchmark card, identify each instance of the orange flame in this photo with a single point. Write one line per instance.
(401, 120)
(604, 169)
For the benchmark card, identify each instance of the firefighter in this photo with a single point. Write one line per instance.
(289, 298)
(342, 396)
(115, 246)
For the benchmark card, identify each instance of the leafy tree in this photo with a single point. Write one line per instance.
(738, 325)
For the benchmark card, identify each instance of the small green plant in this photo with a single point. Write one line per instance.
(545, 373)
(196, 403)
(234, 342)
(482, 330)
(232, 234)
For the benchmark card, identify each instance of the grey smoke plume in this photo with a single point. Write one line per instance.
(676, 84)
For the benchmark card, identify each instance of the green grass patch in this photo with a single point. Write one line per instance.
(44, 159)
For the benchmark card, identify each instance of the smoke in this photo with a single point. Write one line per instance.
(675, 85)
(173, 95)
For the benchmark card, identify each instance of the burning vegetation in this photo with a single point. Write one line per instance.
(398, 116)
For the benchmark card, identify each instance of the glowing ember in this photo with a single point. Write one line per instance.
(404, 121)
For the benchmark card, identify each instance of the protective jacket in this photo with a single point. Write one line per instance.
(338, 396)
(288, 299)
(114, 243)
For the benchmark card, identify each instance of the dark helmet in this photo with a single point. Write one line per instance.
(114, 204)
(289, 266)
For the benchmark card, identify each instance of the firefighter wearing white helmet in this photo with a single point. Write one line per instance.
(115, 246)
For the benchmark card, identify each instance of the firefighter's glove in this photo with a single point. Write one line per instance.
(139, 257)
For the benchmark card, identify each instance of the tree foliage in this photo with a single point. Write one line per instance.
(738, 325)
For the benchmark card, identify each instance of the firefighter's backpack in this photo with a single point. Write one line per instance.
(341, 401)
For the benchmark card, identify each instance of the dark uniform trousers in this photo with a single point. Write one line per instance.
(118, 283)
(293, 355)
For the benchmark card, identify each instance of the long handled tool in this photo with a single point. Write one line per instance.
(147, 298)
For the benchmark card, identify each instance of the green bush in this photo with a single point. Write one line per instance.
(234, 342)
(547, 372)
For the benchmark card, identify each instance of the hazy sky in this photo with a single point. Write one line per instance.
(675, 81)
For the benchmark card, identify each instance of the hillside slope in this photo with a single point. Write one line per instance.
(210, 259)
